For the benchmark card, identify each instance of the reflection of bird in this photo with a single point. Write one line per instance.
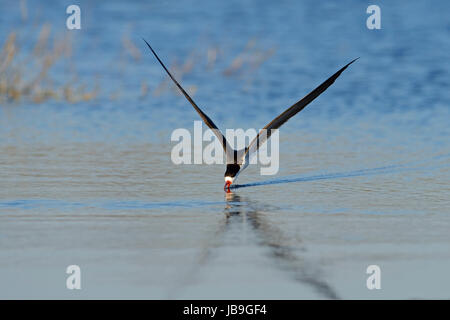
(238, 160)
(283, 251)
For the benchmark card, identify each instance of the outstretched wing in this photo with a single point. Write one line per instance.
(204, 117)
(292, 111)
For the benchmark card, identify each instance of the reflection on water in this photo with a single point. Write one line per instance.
(241, 210)
(243, 215)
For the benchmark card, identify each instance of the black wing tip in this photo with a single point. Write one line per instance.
(351, 62)
(345, 67)
(147, 43)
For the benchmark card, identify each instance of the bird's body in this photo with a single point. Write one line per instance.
(238, 160)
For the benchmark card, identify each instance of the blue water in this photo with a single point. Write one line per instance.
(364, 170)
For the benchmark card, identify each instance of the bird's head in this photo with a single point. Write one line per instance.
(230, 174)
(228, 182)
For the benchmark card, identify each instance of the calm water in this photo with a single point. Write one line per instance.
(364, 175)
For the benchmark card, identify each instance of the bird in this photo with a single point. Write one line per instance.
(238, 160)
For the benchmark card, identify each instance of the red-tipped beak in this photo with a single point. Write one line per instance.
(226, 187)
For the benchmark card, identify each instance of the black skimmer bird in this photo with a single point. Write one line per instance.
(238, 160)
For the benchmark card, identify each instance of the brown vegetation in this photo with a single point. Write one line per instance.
(27, 76)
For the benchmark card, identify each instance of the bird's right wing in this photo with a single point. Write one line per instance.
(204, 117)
(289, 113)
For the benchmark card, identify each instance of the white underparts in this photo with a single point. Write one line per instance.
(230, 179)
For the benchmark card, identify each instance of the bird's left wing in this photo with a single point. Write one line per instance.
(204, 117)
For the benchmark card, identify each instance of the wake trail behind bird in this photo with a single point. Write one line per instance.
(397, 168)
